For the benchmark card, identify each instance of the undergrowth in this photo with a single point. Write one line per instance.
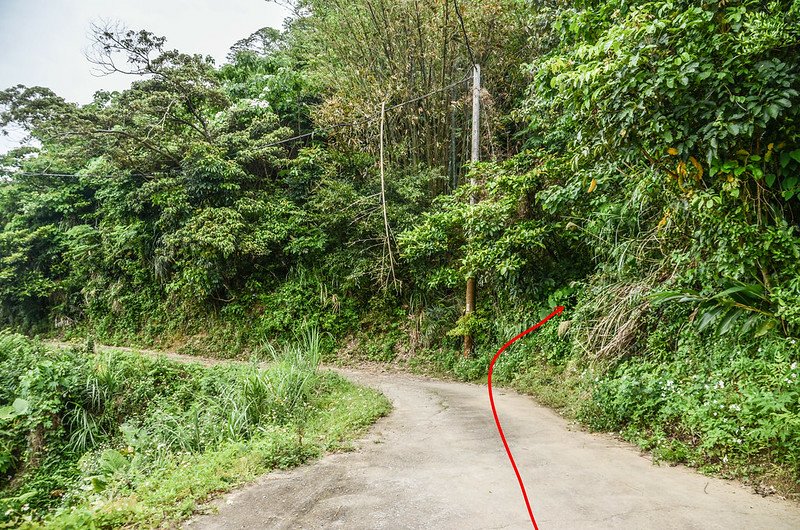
(111, 440)
(725, 404)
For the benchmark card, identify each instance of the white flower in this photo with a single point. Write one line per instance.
(724, 459)
(793, 366)
(260, 103)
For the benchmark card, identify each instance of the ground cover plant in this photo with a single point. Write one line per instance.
(113, 439)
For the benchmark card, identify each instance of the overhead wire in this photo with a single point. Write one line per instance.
(464, 32)
(369, 118)
(34, 174)
(312, 133)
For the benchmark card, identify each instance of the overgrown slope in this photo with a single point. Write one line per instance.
(117, 439)
(640, 167)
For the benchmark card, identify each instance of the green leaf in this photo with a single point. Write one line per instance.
(749, 323)
(729, 291)
(773, 111)
(670, 296)
(708, 317)
(765, 328)
(728, 321)
(21, 406)
(770, 179)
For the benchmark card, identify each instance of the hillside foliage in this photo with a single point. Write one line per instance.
(640, 166)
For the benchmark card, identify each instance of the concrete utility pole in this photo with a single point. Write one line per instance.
(388, 241)
(476, 116)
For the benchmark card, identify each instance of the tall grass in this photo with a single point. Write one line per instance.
(258, 398)
(281, 392)
(104, 427)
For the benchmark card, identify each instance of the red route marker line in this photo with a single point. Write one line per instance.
(556, 311)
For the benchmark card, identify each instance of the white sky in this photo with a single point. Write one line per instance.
(42, 42)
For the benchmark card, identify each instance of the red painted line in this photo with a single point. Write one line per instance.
(555, 312)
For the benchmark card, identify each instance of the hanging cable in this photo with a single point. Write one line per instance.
(370, 118)
(33, 174)
(388, 236)
(312, 133)
(464, 32)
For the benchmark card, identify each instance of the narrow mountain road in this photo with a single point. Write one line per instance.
(437, 462)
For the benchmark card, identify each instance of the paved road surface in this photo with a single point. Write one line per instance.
(436, 462)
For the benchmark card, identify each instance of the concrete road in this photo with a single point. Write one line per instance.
(437, 462)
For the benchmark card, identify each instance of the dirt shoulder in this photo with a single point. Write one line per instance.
(179, 357)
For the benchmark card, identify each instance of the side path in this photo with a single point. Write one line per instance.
(437, 462)
(179, 357)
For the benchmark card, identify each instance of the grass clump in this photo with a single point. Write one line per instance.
(112, 440)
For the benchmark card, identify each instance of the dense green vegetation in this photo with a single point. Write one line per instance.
(113, 439)
(641, 167)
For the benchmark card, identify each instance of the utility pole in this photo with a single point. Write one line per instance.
(469, 342)
(388, 242)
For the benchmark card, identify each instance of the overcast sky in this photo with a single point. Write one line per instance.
(42, 42)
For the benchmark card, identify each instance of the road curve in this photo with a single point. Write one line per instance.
(437, 462)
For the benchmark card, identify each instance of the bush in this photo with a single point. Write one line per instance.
(728, 402)
(84, 433)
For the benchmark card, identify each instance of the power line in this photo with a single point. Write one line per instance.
(370, 118)
(33, 174)
(464, 32)
(362, 121)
